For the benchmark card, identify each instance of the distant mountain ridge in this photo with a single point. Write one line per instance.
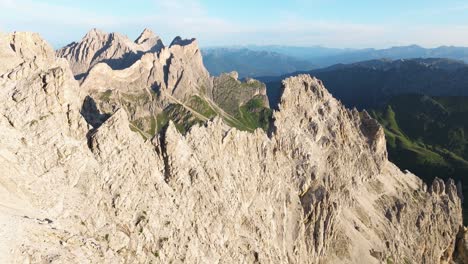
(315, 57)
(395, 53)
(388, 64)
(249, 63)
(370, 84)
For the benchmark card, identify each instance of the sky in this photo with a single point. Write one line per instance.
(330, 23)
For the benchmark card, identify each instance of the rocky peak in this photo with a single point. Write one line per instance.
(114, 49)
(234, 75)
(95, 34)
(23, 47)
(315, 190)
(145, 35)
(149, 41)
(178, 41)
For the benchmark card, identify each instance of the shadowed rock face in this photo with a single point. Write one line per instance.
(148, 41)
(319, 189)
(182, 42)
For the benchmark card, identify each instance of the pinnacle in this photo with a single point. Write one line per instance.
(94, 33)
(182, 42)
(146, 34)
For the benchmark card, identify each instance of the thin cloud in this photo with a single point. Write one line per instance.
(62, 24)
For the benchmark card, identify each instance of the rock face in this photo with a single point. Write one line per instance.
(115, 49)
(169, 82)
(317, 189)
(461, 254)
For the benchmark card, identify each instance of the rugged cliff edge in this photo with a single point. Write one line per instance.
(317, 189)
(160, 84)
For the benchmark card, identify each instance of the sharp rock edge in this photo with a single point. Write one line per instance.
(318, 190)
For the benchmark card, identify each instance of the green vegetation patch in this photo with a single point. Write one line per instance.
(229, 93)
(201, 106)
(137, 98)
(183, 118)
(426, 135)
(134, 128)
(247, 117)
(105, 96)
(254, 114)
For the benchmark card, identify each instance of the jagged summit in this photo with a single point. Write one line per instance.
(115, 49)
(184, 89)
(318, 189)
(145, 35)
(94, 33)
(21, 47)
(149, 41)
(178, 41)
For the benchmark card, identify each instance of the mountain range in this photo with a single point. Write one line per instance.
(314, 57)
(120, 151)
(248, 62)
(156, 84)
(370, 84)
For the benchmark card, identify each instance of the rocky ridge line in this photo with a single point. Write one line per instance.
(318, 189)
(170, 83)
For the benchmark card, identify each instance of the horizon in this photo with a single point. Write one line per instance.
(250, 45)
(299, 23)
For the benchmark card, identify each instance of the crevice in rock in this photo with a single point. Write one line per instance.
(9, 121)
(178, 81)
(271, 127)
(166, 70)
(156, 89)
(89, 138)
(80, 77)
(164, 155)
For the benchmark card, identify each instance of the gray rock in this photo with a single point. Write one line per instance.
(319, 189)
(114, 49)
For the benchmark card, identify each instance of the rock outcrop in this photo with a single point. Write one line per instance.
(115, 49)
(317, 189)
(461, 254)
(169, 82)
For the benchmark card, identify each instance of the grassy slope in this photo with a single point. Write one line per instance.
(254, 115)
(247, 117)
(426, 136)
(229, 97)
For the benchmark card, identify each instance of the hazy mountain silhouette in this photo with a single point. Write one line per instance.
(372, 83)
(254, 61)
(249, 63)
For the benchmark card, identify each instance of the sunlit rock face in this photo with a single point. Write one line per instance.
(317, 188)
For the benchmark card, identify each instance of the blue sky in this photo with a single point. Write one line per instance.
(332, 23)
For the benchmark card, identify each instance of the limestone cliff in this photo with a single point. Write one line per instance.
(161, 84)
(317, 189)
(115, 49)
